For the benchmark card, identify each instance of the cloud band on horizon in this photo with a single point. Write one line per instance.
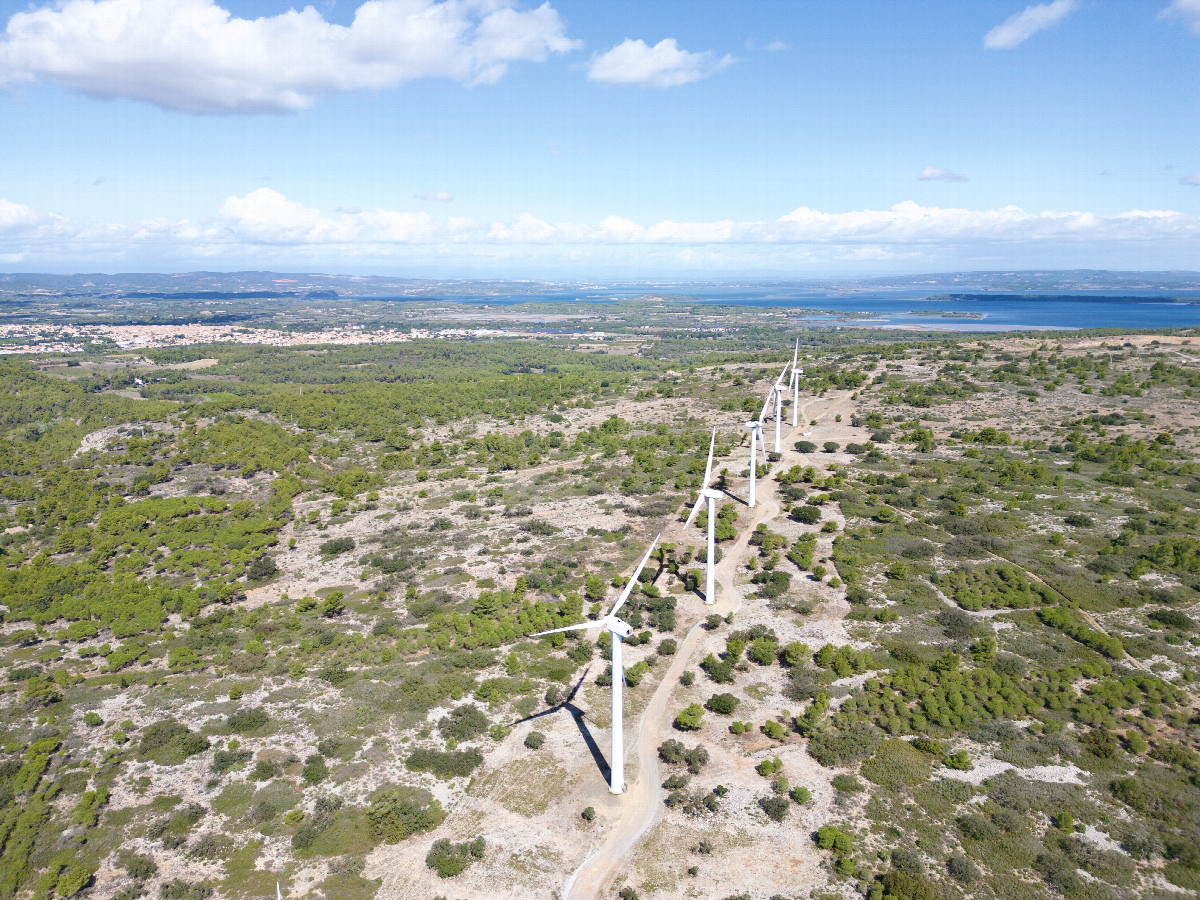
(264, 222)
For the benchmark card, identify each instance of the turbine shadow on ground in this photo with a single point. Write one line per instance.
(577, 714)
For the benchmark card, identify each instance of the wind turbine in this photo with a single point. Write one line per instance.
(755, 426)
(712, 496)
(796, 373)
(618, 630)
(278, 892)
(776, 395)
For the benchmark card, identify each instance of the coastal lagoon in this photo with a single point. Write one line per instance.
(897, 308)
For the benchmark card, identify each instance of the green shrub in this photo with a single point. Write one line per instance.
(227, 760)
(847, 784)
(169, 743)
(769, 767)
(73, 880)
(774, 730)
(962, 869)
(336, 546)
(449, 859)
(960, 760)
(315, 769)
(178, 889)
(722, 704)
(691, 718)
(463, 723)
(807, 515)
(776, 807)
(897, 763)
(674, 752)
(444, 763)
(140, 868)
(1172, 618)
(907, 886)
(842, 746)
(334, 605)
(245, 721)
(762, 651)
(398, 811)
(588, 814)
(534, 740)
(830, 837)
(801, 794)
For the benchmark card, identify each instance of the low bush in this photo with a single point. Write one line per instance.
(722, 704)
(247, 720)
(463, 723)
(690, 718)
(847, 784)
(775, 807)
(169, 743)
(449, 859)
(398, 811)
(444, 763)
(842, 746)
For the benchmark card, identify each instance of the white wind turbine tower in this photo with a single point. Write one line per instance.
(776, 395)
(712, 496)
(618, 630)
(755, 426)
(796, 373)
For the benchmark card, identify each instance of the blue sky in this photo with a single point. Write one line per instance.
(598, 140)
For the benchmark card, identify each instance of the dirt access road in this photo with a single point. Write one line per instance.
(641, 806)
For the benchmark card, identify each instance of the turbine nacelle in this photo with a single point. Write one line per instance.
(618, 627)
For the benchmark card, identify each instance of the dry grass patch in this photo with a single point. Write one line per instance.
(512, 786)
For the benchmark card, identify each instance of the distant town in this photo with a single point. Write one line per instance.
(19, 338)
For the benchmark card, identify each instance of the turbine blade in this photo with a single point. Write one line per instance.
(633, 581)
(580, 627)
(712, 441)
(795, 354)
(695, 509)
(763, 414)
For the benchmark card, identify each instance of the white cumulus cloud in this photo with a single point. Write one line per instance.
(195, 56)
(1023, 25)
(1188, 11)
(438, 196)
(1191, 180)
(663, 65)
(929, 173)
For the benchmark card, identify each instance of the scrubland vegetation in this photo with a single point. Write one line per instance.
(274, 614)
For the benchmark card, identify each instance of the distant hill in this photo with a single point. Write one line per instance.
(267, 285)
